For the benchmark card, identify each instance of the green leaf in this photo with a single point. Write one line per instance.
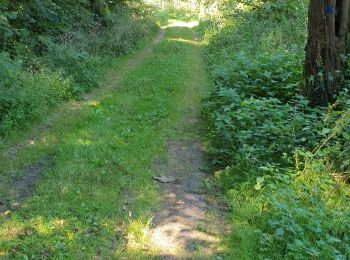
(257, 186)
(279, 232)
(332, 239)
(260, 180)
(330, 77)
(325, 131)
(346, 136)
(60, 246)
(9, 33)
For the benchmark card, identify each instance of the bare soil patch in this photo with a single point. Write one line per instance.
(20, 188)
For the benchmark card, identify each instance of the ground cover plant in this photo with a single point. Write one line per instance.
(282, 164)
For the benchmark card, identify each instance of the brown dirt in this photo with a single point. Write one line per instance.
(189, 222)
(20, 188)
(182, 228)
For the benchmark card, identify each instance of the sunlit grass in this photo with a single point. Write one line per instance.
(184, 40)
(97, 196)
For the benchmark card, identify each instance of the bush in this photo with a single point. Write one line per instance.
(117, 36)
(258, 130)
(263, 75)
(83, 68)
(59, 50)
(283, 166)
(25, 95)
(301, 215)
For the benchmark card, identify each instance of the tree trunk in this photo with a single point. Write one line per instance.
(326, 43)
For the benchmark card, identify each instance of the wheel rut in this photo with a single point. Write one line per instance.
(187, 225)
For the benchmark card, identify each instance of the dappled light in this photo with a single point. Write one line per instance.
(11, 231)
(174, 129)
(190, 25)
(97, 195)
(180, 228)
(184, 41)
(84, 142)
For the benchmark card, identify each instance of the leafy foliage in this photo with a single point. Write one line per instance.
(56, 49)
(261, 76)
(24, 95)
(283, 165)
(258, 130)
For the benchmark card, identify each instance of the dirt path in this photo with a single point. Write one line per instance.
(187, 225)
(183, 227)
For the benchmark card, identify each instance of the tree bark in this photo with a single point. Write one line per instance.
(326, 44)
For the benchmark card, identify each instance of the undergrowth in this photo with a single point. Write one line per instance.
(283, 166)
(57, 50)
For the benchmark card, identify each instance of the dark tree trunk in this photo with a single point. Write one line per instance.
(324, 62)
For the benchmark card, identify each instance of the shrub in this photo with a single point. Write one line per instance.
(59, 50)
(283, 166)
(25, 95)
(117, 36)
(263, 75)
(302, 215)
(258, 130)
(83, 68)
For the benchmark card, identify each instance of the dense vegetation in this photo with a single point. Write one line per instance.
(56, 50)
(283, 166)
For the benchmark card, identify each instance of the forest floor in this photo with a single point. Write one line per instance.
(120, 173)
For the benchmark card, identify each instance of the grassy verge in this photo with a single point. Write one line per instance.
(99, 189)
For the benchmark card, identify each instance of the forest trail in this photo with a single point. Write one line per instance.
(186, 225)
(100, 196)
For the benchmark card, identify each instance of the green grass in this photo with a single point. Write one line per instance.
(99, 188)
(167, 16)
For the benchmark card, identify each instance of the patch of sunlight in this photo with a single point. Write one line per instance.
(176, 23)
(161, 239)
(47, 228)
(58, 224)
(242, 7)
(43, 139)
(184, 227)
(93, 103)
(84, 142)
(184, 41)
(138, 236)
(10, 230)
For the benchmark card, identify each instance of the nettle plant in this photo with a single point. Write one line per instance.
(283, 165)
(306, 215)
(262, 75)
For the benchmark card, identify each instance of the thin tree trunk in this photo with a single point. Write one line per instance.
(327, 33)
